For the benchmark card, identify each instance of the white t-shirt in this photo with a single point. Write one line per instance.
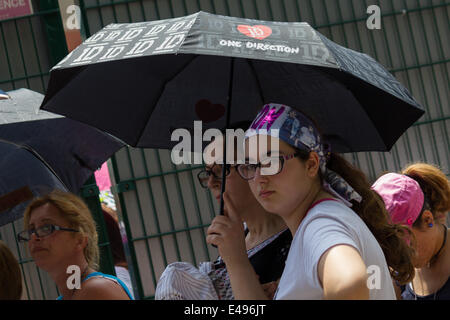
(327, 224)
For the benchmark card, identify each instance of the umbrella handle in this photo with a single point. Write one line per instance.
(222, 203)
(221, 194)
(227, 123)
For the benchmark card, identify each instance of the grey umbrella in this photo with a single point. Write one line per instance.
(20, 168)
(43, 150)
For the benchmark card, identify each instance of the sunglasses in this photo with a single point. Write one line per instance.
(269, 166)
(41, 232)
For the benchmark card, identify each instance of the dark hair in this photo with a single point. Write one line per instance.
(115, 239)
(372, 211)
(435, 187)
(426, 201)
(10, 276)
(244, 125)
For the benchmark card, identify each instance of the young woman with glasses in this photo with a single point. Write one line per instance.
(62, 238)
(267, 238)
(341, 232)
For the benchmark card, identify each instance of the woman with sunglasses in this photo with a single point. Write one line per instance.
(267, 238)
(343, 246)
(62, 240)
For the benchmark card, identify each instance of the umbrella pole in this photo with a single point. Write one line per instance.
(227, 124)
(227, 119)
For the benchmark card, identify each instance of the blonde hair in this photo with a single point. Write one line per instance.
(75, 211)
(434, 184)
(10, 277)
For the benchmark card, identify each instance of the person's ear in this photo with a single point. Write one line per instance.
(428, 219)
(82, 241)
(312, 164)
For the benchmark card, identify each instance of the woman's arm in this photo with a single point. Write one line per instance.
(227, 233)
(342, 274)
(270, 288)
(244, 282)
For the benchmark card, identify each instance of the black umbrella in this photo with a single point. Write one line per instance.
(141, 81)
(20, 168)
(57, 152)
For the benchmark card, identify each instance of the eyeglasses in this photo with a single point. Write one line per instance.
(215, 171)
(40, 232)
(269, 166)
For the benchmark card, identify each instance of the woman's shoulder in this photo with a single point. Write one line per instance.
(101, 287)
(331, 216)
(334, 211)
(325, 209)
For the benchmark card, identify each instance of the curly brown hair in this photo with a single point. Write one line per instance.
(372, 211)
(435, 187)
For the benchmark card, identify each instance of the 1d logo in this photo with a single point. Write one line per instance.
(88, 54)
(171, 42)
(374, 21)
(258, 32)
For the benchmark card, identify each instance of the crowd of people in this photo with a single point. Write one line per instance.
(311, 229)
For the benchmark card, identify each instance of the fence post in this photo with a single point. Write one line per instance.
(54, 30)
(90, 192)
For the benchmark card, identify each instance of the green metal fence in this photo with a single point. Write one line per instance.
(164, 210)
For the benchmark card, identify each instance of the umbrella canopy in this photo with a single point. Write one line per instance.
(71, 150)
(141, 81)
(21, 168)
(3, 95)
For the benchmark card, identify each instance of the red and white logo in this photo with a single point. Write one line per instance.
(258, 32)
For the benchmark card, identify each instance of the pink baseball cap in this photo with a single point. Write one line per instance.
(402, 196)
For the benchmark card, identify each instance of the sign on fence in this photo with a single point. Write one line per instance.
(71, 19)
(15, 8)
